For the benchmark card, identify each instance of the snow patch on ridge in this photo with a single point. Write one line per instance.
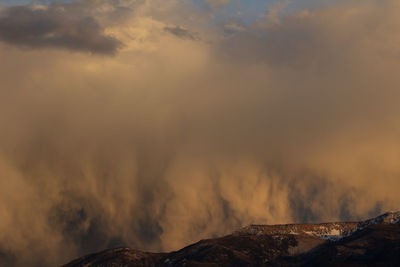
(327, 231)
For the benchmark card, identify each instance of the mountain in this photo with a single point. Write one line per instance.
(374, 242)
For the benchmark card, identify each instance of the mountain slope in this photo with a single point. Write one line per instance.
(374, 242)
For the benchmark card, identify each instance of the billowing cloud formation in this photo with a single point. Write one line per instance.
(170, 140)
(47, 27)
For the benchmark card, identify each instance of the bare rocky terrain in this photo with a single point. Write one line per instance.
(374, 242)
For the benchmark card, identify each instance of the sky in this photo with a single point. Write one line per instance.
(156, 123)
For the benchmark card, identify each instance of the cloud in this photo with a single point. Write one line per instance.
(274, 11)
(181, 32)
(53, 27)
(169, 142)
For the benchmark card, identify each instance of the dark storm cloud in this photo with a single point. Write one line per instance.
(181, 32)
(53, 27)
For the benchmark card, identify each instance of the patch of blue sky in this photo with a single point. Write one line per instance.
(247, 11)
(252, 10)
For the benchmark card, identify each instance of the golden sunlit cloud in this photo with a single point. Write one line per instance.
(138, 123)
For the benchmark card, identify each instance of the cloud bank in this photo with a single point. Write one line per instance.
(54, 27)
(174, 139)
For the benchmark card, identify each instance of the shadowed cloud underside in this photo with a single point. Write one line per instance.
(53, 27)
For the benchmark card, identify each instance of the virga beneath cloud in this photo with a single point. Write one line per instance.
(184, 131)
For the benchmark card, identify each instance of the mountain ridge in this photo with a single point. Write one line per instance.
(372, 242)
(329, 230)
